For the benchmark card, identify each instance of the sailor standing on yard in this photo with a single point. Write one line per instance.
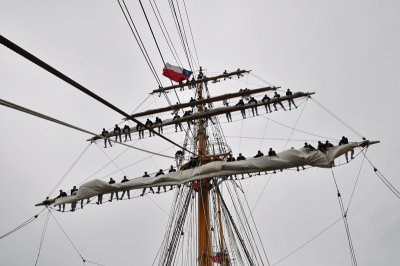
(228, 114)
(140, 129)
(266, 100)
(171, 170)
(253, 101)
(62, 194)
(277, 96)
(106, 136)
(144, 189)
(127, 132)
(74, 190)
(178, 157)
(290, 101)
(159, 124)
(177, 123)
(149, 124)
(344, 141)
(112, 181)
(127, 191)
(117, 133)
(161, 172)
(271, 152)
(243, 111)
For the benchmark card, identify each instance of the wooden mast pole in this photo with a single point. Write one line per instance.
(204, 236)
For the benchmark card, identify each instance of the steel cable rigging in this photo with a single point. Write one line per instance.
(78, 86)
(139, 42)
(31, 112)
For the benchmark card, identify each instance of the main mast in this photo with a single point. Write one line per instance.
(204, 238)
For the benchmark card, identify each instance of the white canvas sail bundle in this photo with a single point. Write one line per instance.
(284, 160)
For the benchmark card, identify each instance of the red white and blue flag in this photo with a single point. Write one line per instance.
(217, 257)
(176, 73)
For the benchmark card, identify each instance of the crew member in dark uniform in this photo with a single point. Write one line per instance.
(343, 141)
(186, 114)
(306, 145)
(127, 191)
(240, 157)
(144, 189)
(243, 111)
(106, 136)
(177, 123)
(171, 170)
(149, 124)
(112, 181)
(290, 101)
(321, 147)
(117, 133)
(253, 101)
(161, 172)
(159, 124)
(62, 194)
(328, 145)
(230, 158)
(271, 152)
(178, 157)
(127, 132)
(228, 114)
(277, 96)
(259, 154)
(266, 100)
(140, 129)
(74, 190)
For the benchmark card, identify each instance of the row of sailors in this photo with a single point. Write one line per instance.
(191, 164)
(321, 147)
(265, 100)
(158, 122)
(191, 83)
(74, 191)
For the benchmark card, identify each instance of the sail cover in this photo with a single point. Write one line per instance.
(176, 73)
(284, 160)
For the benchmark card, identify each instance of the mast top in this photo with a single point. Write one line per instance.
(201, 80)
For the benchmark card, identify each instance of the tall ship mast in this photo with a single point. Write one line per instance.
(210, 221)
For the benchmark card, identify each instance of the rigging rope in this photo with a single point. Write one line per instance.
(173, 50)
(308, 241)
(245, 225)
(46, 222)
(384, 179)
(70, 241)
(264, 138)
(22, 225)
(111, 160)
(255, 225)
(31, 112)
(69, 169)
(176, 20)
(298, 130)
(344, 214)
(355, 184)
(297, 121)
(228, 214)
(335, 116)
(75, 84)
(140, 43)
(191, 33)
(185, 36)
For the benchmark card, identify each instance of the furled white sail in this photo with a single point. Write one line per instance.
(284, 160)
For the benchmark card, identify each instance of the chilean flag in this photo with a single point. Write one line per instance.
(176, 73)
(217, 257)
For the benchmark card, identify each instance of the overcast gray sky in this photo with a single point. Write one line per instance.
(345, 51)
